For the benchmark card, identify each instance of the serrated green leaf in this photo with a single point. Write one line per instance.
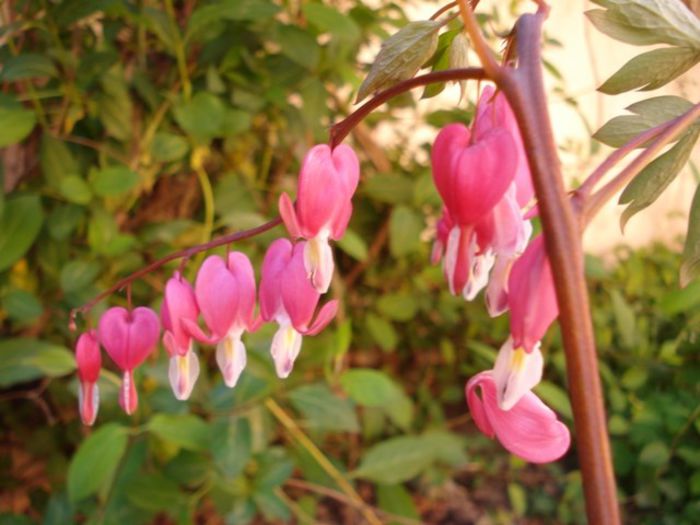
(401, 56)
(17, 122)
(647, 114)
(96, 461)
(690, 265)
(646, 187)
(185, 430)
(26, 66)
(19, 226)
(651, 70)
(24, 359)
(666, 21)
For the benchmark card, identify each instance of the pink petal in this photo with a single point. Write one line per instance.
(129, 337)
(128, 397)
(531, 296)
(299, 297)
(497, 289)
(458, 258)
(88, 402)
(341, 220)
(143, 333)
(529, 430)
(289, 216)
(450, 141)
(239, 265)
(274, 263)
(88, 357)
(217, 296)
(325, 315)
(321, 191)
(178, 303)
(196, 332)
(347, 169)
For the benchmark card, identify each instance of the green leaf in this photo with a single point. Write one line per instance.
(26, 66)
(393, 189)
(405, 227)
(24, 359)
(397, 500)
(323, 410)
(647, 114)
(185, 430)
(56, 160)
(518, 499)
(155, 492)
(650, 22)
(441, 61)
(625, 320)
(17, 122)
(168, 147)
(113, 180)
(21, 305)
(651, 70)
(114, 105)
(399, 306)
(690, 266)
(401, 56)
(382, 331)
(655, 454)
(646, 187)
(615, 25)
(370, 388)
(395, 460)
(19, 226)
(237, 10)
(75, 189)
(354, 245)
(299, 46)
(555, 396)
(202, 117)
(231, 445)
(94, 464)
(78, 274)
(686, 299)
(329, 20)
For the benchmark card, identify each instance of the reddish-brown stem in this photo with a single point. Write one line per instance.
(670, 132)
(186, 253)
(524, 88)
(340, 130)
(444, 8)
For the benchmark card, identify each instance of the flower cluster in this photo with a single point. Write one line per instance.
(482, 239)
(294, 275)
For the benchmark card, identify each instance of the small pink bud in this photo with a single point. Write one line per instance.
(89, 361)
(531, 296)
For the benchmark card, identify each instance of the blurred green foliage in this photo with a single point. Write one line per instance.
(130, 115)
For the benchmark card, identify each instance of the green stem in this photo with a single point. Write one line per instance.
(179, 52)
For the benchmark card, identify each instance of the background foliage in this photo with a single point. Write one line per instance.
(134, 128)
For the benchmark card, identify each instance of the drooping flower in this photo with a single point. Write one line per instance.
(288, 298)
(531, 296)
(327, 182)
(179, 303)
(225, 292)
(89, 361)
(129, 337)
(530, 429)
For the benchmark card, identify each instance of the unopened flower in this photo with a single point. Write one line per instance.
(529, 429)
(288, 298)
(531, 296)
(225, 292)
(129, 337)
(89, 361)
(327, 182)
(179, 304)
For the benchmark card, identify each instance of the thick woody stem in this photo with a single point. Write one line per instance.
(524, 89)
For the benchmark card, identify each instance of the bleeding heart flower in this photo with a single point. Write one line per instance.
(327, 182)
(531, 296)
(530, 429)
(89, 361)
(129, 337)
(288, 298)
(179, 304)
(225, 292)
